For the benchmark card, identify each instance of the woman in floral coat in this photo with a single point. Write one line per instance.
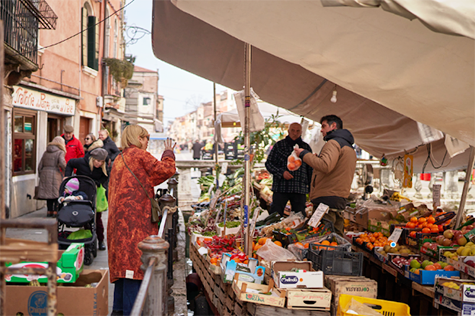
(130, 211)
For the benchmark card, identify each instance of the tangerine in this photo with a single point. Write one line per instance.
(425, 230)
(325, 243)
(291, 166)
(434, 229)
(278, 243)
(422, 220)
(262, 240)
(431, 219)
(298, 163)
(414, 219)
(334, 243)
(291, 159)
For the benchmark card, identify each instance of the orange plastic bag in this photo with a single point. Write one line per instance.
(293, 161)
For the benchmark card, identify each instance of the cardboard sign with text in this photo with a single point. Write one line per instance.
(321, 210)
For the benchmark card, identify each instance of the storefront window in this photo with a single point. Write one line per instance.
(24, 142)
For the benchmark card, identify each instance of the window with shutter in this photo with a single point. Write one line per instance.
(91, 41)
(84, 22)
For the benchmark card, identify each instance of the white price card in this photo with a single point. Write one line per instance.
(321, 210)
(395, 236)
(436, 194)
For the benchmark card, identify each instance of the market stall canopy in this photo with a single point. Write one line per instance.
(231, 118)
(304, 51)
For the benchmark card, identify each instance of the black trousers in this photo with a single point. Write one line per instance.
(51, 204)
(279, 201)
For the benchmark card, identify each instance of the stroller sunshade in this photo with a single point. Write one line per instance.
(75, 214)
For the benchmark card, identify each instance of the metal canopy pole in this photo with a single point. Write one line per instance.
(215, 137)
(466, 184)
(247, 147)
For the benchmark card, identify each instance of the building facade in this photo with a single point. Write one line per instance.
(143, 105)
(68, 86)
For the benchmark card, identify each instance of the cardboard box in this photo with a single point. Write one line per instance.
(352, 285)
(73, 299)
(428, 277)
(465, 291)
(253, 293)
(319, 299)
(463, 308)
(284, 278)
(251, 272)
(68, 267)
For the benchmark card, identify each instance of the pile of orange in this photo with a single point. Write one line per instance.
(427, 224)
(373, 240)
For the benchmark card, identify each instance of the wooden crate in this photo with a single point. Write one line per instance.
(247, 292)
(314, 299)
(260, 310)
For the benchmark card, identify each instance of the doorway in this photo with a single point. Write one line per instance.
(84, 128)
(55, 126)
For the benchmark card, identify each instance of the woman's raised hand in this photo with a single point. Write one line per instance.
(169, 144)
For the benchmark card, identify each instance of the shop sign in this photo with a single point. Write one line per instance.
(41, 101)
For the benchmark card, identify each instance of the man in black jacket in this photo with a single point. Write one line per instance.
(289, 185)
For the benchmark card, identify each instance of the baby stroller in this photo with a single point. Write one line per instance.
(73, 214)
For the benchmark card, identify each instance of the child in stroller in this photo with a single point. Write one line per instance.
(71, 192)
(76, 211)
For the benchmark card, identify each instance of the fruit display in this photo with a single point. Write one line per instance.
(455, 286)
(401, 261)
(427, 265)
(371, 240)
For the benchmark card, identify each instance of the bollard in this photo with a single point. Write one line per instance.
(156, 301)
(173, 185)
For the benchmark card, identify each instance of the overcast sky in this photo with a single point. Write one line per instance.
(182, 90)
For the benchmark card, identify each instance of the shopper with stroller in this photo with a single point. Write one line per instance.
(130, 219)
(93, 167)
(50, 171)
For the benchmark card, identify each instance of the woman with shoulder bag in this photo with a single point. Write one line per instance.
(134, 174)
(50, 171)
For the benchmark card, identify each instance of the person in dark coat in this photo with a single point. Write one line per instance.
(50, 171)
(196, 150)
(110, 146)
(93, 167)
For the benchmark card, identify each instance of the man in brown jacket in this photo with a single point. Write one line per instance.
(333, 170)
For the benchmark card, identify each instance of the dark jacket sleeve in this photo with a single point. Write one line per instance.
(72, 164)
(276, 164)
(113, 150)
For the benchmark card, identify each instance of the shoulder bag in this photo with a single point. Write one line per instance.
(155, 207)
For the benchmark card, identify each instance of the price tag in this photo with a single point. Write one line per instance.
(224, 168)
(436, 194)
(321, 210)
(395, 236)
(246, 215)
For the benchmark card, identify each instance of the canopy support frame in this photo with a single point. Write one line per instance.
(466, 185)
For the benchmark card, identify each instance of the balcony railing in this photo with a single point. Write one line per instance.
(21, 28)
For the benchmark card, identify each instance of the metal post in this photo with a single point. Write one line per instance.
(3, 143)
(215, 136)
(171, 236)
(247, 147)
(153, 248)
(466, 184)
(173, 188)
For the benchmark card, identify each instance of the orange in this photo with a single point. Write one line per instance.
(430, 267)
(334, 243)
(237, 260)
(422, 220)
(326, 243)
(298, 163)
(291, 166)
(291, 159)
(262, 240)
(425, 230)
(437, 266)
(306, 246)
(411, 225)
(213, 260)
(414, 219)
(431, 219)
(434, 229)
(278, 243)
(413, 234)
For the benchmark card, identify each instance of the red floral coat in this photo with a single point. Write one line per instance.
(129, 208)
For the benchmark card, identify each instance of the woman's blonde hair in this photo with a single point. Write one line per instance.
(131, 134)
(58, 141)
(105, 131)
(91, 165)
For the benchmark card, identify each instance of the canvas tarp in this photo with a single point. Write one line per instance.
(416, 73)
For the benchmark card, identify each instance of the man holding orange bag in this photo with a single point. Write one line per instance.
(333, 169)
(289, 185)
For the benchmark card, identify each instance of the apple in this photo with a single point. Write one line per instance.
(462, 241)
(439, 239)
(470, 227)
(446, 242)
(449, 234)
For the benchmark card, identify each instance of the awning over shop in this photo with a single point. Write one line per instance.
(370, 57)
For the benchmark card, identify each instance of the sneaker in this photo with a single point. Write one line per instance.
(101, 246)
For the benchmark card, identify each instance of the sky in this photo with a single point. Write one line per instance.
(182, 90)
